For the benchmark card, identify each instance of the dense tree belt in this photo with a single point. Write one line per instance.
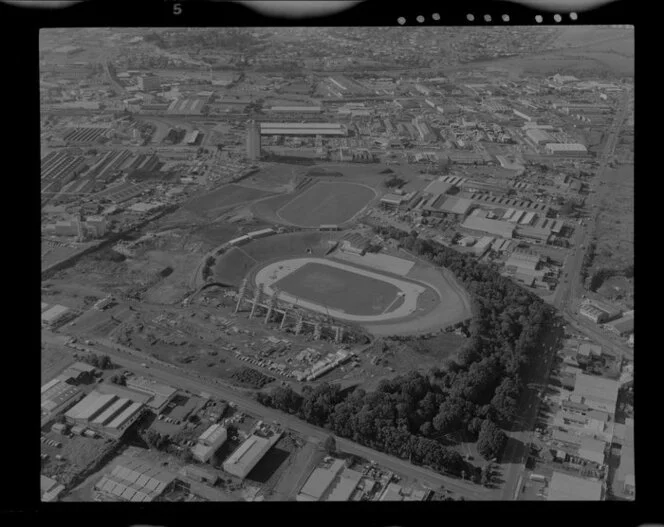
(412, 416)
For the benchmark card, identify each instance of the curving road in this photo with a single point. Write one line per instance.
(196, 383)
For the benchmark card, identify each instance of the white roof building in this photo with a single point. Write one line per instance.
(597, 392)
(209, 442)
(245, 458)
(566, 148)
(52, 314)
(564, 487)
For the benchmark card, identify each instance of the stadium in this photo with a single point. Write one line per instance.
(327, 278)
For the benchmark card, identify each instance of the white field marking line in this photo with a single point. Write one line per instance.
(246, 254)
(391, 304)
(412, 291)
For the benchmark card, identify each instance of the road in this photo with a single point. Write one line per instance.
(195, 383)
(516, 449)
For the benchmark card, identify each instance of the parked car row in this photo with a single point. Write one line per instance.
(167, 419)
(51, 442)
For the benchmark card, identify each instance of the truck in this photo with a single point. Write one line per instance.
(537, 477)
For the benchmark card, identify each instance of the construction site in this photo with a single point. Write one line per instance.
(205, 287)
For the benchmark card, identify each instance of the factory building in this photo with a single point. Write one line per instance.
(566, 149)
(296, 109)
(538, 136)
(522, 115)
(564, 487)
(58, 396)
(149, 83)
(503, 229)
(598, 393)
(135, 480)
(534, 233)
(249, 453)
(524, 260)
(438, 187)
(319, 482)
(623, 326)
(107, 413)
(53, 315)
(209, 442)
(253, 141)
(330, 129)
(457, 207)
(160, 394)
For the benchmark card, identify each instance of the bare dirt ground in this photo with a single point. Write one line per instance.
(172, 288)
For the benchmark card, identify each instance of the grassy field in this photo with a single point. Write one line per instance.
(326, 203)
(53, 361)
(233, 266)
(225, 196)
(340, 289)
(615, 228)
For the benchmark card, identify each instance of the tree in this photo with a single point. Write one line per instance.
(491, 440)
(485, 478)
(104, 362)
(155, 440)
(93, 360)
(330, 445)
(186, 456)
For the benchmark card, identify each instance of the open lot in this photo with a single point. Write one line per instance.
(78, 452)
(615, 225)
(326, 203)
(53, 360)
(225, 196)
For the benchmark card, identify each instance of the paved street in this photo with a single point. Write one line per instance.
(516, 449)
(194, 383)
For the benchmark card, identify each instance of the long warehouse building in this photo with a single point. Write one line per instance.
(303, 129)
(249, 453)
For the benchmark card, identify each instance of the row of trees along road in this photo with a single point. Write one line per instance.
(412, 416)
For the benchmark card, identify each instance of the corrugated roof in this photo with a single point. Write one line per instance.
(595, 388)
(142, 481)
(54, 312)
(499, 228)
(125, 414)
(90, 405)
(108, 414)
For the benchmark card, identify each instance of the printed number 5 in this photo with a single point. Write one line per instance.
(177, 9)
